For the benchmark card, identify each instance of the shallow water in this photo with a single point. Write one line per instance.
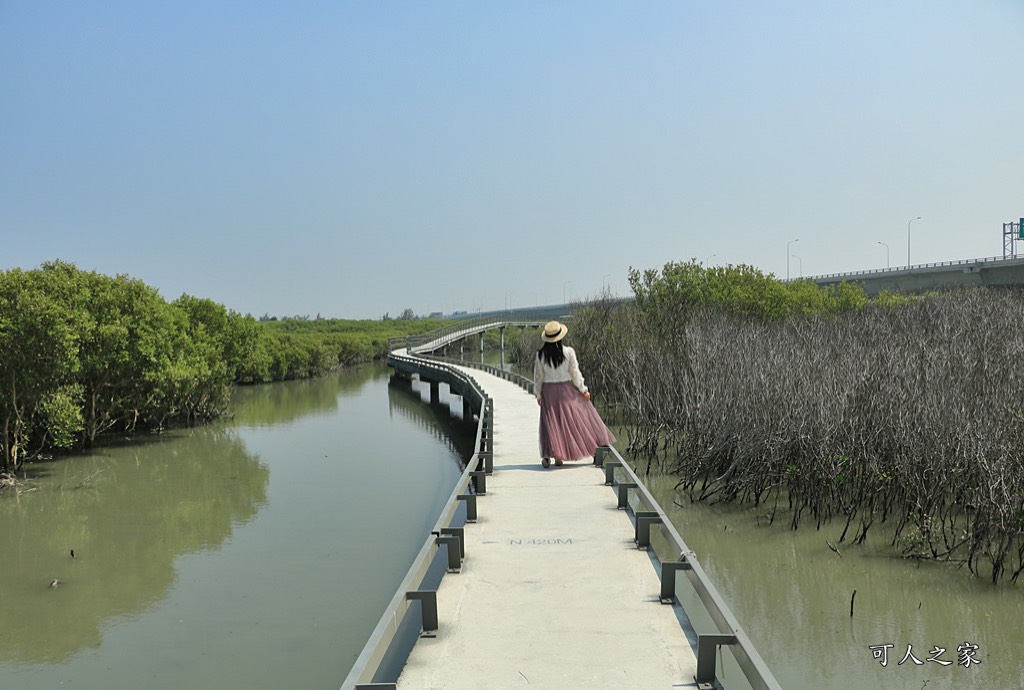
(258, 553)
(792, 595)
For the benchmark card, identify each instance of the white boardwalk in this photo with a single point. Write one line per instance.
(553, 592)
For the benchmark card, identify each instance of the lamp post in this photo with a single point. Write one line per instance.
(886, 254)
(787, 255)
(801, 266)
(908, 238)
(564, 284)
(708, 259)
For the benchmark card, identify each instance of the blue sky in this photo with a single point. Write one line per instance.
(357, 158)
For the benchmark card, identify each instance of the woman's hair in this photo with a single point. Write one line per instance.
(552, 353)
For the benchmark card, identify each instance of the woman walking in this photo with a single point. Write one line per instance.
(570, 427)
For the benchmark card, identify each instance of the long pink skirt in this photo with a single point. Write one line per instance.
(570, 427)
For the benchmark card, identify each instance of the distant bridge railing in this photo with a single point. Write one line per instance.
(373, 666)
(465, 327)
(904, 269)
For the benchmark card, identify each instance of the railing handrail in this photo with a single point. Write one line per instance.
(378, 644)
(469, 326)
(523, 382)
(750, 662)
(731, 634)
(905, 269)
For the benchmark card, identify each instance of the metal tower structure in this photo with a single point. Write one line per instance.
(1011, 233)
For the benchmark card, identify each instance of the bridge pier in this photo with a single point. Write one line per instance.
(435, 392)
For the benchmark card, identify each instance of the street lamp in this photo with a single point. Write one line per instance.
(564, 284)
(801, 266)
(787, 255)
(708, 260)
(908, 238)
(886, 254)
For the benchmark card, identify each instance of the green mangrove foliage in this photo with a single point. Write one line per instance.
(82, 354)
(827, 405)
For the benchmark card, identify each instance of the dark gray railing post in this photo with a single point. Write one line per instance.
(428, 605)
(642, 532)
(452, 544)
(461, 534)
(609, 470)
(470, 500)
(707, 654)
(668, 578)
(623, 491)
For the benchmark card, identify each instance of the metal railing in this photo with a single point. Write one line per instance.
(905, 269)
(465, 327)
(367, 670)
(729, 633)
(365, 673)
(522, 381)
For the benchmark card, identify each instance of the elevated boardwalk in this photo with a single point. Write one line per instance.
(553, 593)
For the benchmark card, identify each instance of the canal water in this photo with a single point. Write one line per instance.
(260, 552)
(255, 553)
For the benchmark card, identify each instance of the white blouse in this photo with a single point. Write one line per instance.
(568, 370)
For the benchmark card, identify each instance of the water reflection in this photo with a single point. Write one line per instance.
(128, 513)
(410, 400)
(792, 595)
(280, 403)
(258, 554)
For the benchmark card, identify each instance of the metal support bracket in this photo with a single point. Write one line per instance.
(609, 470)
(428, 604)
(623, 491)
(599, 455)
(479, 482)
(707, 654)
(668, 578)
(461, 534)
(642, 532)
(454, 548)
(487, 460)
(470, 500)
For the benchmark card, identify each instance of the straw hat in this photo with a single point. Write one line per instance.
(554, 331)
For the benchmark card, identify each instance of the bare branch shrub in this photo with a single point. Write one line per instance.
(909, 412)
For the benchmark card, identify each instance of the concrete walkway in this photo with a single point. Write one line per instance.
(553, 592)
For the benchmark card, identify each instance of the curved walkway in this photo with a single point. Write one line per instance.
(553, 592)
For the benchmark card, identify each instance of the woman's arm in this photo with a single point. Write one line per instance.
(538, 377)
(574, 371)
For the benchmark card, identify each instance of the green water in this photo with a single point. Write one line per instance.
(256, 553)
(791, 594)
